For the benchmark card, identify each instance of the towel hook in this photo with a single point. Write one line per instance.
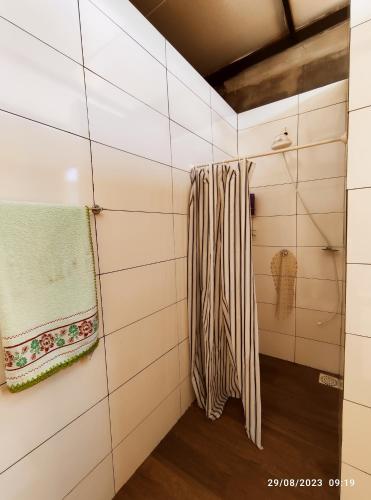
(96, 209)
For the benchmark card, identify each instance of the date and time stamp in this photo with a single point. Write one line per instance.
(309, 482)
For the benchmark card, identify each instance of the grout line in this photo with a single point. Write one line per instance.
(141, 265)
(148, 415)
(96, 236)
(172, 200)
(303, 277)
(265, 186)
(125, 210)
(145, 368)
(161, 63)
(296, 215)
(356, 403)
(40, 40)
(358, 335)
(126, 92)
(144, 317)
(304, 308)
(87, 474)
(294, 336)
(291, 115)
(357, 468)
(55, 433)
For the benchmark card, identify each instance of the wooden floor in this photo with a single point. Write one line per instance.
(205, 460)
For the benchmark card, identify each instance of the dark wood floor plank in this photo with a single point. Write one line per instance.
(205, 460)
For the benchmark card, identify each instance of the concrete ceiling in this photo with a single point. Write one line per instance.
(211, 34)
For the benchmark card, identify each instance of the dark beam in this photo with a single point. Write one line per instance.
(274, 48)
(289, 18)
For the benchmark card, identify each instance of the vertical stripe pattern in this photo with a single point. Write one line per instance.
(221, 294)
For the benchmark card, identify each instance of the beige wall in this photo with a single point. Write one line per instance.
(356, 455)
(281, 222)
(125, 141)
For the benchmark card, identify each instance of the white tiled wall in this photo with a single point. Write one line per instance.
(281, 221)
(116, 120)
(356, 462)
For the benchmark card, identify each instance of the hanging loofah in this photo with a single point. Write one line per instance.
(284, 268)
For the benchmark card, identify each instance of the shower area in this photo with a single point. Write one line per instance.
(299, 208)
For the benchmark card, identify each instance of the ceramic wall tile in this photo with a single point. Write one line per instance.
(119, 120)
(265, 291)
(181, 190)
(268, 113)
(131, 349)
(262, 258)
(224, 135)
(357, 369)
(323, 96)
(50, 166)
(39, 83)
(189, 110)
(319, 325)
(275, 231)
(359, 148)
(318, 355)
(59, 409)
(181, 235)
(360, 11)
(182, 314)
(322, 295)
(187, 394)
(277, 345)
(188, 149)
(356, 436)
(117, 57)
(332, 225)
(223, 109)
(133, 450)
(124, 181)
(358, 292)
(359, 239)
(186, 73)
(322, 196)
(184, 360)
(258, 139)
(69, 447)
(125, 299)
(324, 123)
(97, 485)
(359, 69)
(362, 481)
(272, 170)
(125, 15)
(181, 278)
(314, 262)
(131, 403)
(268, 321)
(321, 162)
(129, 239)
(275, 200)
(62, 29)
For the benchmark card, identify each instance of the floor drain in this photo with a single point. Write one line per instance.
(330, 380)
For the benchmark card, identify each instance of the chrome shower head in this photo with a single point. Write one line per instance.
(281, 141)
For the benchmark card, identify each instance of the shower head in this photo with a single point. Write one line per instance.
(281, 141)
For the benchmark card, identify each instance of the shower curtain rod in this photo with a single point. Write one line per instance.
(342, 139)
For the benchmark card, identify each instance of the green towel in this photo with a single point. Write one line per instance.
(48, 300)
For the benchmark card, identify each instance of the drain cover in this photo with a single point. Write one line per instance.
(330, 380)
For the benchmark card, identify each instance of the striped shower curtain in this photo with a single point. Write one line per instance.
(221, 294)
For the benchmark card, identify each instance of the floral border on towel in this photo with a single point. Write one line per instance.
(24, 354)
